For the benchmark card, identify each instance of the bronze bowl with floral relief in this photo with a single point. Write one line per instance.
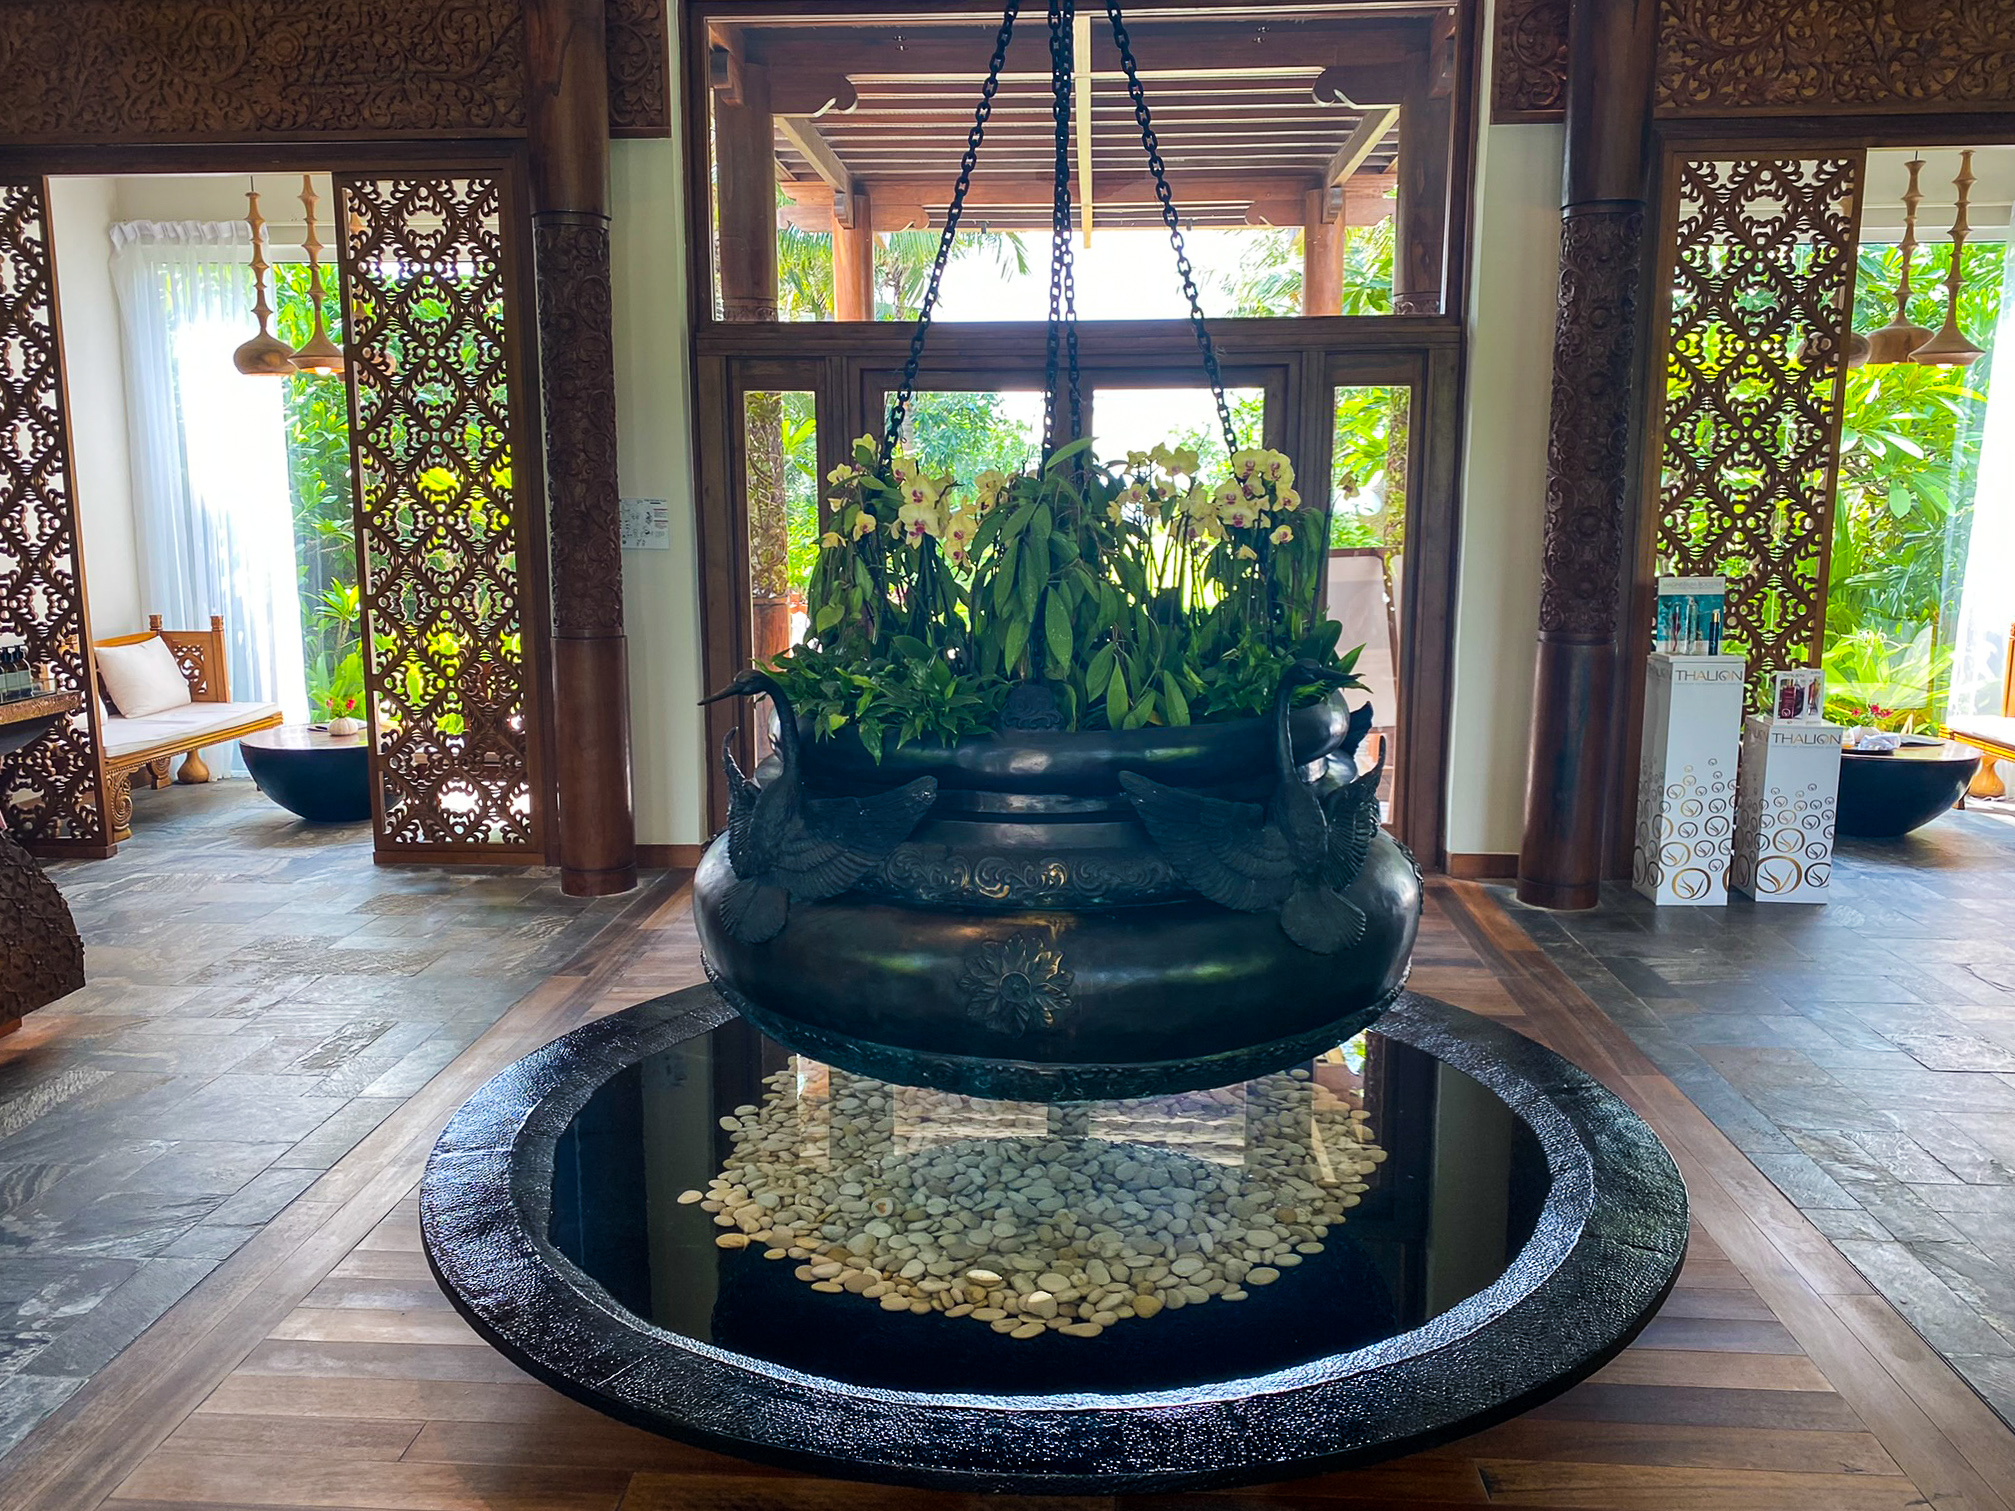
(1031, 939)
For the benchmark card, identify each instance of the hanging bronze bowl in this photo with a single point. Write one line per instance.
(1031, 939)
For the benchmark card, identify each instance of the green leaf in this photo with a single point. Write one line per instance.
(1100, 671)
(1017, 642)
(1138, 716)
(1057, 628)
(1004, 579)
(1115, 699)
(1032, 577)
(1173, 701)
(1040, 524)
(829, 616)
(1063, 455)
(913, 648)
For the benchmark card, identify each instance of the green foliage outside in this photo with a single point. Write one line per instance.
(1368, 460)
(1909, 460)
(325, 537)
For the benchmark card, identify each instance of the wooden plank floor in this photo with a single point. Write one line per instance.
(1774, 1380)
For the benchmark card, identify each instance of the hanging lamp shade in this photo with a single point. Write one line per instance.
(1895, 341)
(1949, 347)
(318, 354)
(264, 355)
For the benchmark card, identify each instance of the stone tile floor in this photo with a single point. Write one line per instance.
(1862, 1054)
(260, 996)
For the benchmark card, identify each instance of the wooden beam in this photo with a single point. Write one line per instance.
(854, 259)
(1372, 129)
(1081, 100)
(1321, 255)
(745, 146)
(914, 48)
(811, 144)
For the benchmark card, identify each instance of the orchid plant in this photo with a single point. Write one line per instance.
(1139, 593)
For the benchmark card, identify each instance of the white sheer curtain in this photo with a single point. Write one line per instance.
(1987, 601)
(209, 449)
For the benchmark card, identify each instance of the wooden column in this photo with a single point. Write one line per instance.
(1589, 447)
(1420, 214)
(567, 78)
(746, 158)
(853, 255)
(1322, 254)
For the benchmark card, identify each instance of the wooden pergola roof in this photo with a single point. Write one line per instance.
(1252, 113)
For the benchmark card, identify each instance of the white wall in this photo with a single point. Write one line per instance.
(81, 212)
(661, 599)
(1515, 261)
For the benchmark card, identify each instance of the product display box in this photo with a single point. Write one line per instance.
(1686, 779)
(1790, 778)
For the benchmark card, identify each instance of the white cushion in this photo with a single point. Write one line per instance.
(1996, 729)
(142, 678)
(186, 725)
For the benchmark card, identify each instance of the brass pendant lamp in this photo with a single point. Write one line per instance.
(1950, 348)
(318, 354)
(1895, 341)
(264, 355)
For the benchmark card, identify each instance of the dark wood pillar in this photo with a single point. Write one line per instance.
(567, 69)
(853, 256)
(1322, 253)
(1589, 449)
(1420, 211)
(746, 156)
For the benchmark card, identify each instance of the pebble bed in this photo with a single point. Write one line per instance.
(1036, 1219)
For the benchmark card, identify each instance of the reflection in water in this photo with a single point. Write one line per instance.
(1036, 1218)
(1260, 1226)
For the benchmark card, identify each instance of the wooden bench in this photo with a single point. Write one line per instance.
(1993, 735)
(141, 749)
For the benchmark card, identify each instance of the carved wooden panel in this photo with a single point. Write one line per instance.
(1734, 57)
(51, 790)
(640, 99)
(1761, 283)
(1588, 430)
(433, 395)
(194, 70)
(1795, 57)
(1528, 70)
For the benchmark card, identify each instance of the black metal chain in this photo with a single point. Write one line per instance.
(1063, 269)
(899, 409)
(1152, 144)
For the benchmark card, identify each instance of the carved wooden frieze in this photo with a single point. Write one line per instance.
(1731, 57)
(1528, 78)
(198, 70)
(1745, 57)
(640, 60)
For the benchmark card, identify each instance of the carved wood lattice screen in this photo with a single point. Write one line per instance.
(52, 790)
(435, 403)
(1760, 280)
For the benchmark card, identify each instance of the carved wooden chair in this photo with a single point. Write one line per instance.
(141, 749)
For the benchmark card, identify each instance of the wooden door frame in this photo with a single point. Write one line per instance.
(506, 158)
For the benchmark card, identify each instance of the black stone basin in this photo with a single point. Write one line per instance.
(1520, 1228)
